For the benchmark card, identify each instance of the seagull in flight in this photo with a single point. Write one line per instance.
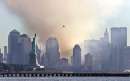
(63, 26)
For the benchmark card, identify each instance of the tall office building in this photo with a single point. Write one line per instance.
(76, 57)
(13, 47)
(126, 57)
(105, 51)
(52, 54)
(100, 50)
(24, 49)
(119, 37)
(88, 64)
(94, 47)
(119, 42)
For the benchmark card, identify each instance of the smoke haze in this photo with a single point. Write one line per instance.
(81, 18)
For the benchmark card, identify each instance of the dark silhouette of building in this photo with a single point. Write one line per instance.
(103, 56)
(52, 55)
(19, 47)
(25, 49)
(119, 37)
(100, 50)
(105, 52)
(13, 47)
(118, 42)
(88, 65)
(76, 58)
(126, 58)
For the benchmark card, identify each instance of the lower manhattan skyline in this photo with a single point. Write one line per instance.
(23, 54)
(64, 40)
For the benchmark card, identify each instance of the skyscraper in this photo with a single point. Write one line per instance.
(76, 58)
(52, 54)
(100, 50)
(105, 51)
(126, 58)
(119, 37)
(119, 42)
(88, 62)
(13, 46)
(24, 49)
(94, 47)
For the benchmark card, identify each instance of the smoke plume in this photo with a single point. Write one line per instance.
(71, 21)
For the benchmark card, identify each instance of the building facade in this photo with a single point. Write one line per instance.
(52, 54)
(13, 47)
(76, 58)
(118, 43)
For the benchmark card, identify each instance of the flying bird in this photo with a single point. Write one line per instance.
(63, 26)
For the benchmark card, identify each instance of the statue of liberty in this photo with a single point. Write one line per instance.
(33, 55)
(34, 44)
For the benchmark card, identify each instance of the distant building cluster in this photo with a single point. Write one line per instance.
(108, 54)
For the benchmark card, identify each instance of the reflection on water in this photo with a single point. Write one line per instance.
(66, 79)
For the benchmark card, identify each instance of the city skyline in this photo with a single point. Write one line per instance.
(107, 33)
(99, 55)
(65, 35)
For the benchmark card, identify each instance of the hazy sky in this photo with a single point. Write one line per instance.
(85, 18)
(8, 21)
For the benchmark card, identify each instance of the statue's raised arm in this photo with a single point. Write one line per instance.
(35, 35)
